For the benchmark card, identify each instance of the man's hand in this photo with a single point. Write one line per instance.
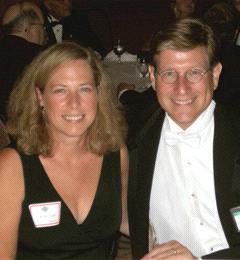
(169, 250)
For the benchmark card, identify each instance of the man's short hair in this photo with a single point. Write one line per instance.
(186, 34)
(19, 23)
(19, 15)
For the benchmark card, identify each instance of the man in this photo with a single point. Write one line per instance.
(23, 28)
(185, 167)
(64, 23)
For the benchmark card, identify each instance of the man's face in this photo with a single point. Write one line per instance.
(36, 32)
(182, 100)
(59, 8)
(185, 7)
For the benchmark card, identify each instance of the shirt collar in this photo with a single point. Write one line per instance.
(52, 18)
(198, 125)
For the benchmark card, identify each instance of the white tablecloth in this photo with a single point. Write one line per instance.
(125, 72)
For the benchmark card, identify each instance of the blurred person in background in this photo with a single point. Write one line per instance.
(23, 35)
(183, 8)
(223, 19)
(63, 22)
(236, 4)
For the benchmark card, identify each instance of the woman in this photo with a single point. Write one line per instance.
(183, 8)
(60, 189)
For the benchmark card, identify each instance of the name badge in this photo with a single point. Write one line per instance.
(236, 217)
(45, 214)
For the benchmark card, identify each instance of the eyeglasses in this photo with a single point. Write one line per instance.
(193, 75)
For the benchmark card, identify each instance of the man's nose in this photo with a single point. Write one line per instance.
(182, 85)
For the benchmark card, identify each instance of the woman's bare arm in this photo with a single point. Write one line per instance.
(11, 197)
(124, 171)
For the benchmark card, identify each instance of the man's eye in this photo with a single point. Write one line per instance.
(195, 72)
(169, 73)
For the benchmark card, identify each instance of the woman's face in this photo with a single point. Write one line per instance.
(185, 7)
(70, 100)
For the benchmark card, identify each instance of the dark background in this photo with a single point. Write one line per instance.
(132, 21)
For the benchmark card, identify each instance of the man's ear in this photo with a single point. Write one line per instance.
(216, 74)
(152, 75)
(26, 33)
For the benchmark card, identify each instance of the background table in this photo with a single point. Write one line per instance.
(125, 72)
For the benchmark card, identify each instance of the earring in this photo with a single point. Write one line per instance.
(43, 113)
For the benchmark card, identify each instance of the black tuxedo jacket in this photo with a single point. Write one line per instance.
(138, 107)
(228, 90)
(226, 151)
(140, 99)
(15, 54)
(76, 27)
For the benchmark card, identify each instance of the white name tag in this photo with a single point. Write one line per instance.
(45, 214)
(236, 217)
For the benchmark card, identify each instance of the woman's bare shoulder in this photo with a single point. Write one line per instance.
(8, 157)
(12, 195)
(10, 165)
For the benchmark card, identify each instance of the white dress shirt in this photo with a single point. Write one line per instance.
(57, 29)
(238, 39)
(183, 203)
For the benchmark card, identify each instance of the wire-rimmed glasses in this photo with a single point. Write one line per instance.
(193, 75)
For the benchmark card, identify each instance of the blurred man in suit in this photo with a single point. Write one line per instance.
(23, 29)
(64, 23)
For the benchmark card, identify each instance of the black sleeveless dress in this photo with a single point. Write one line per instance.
(60, 237)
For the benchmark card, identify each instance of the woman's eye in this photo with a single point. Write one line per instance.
(58, 90)
(86, 88)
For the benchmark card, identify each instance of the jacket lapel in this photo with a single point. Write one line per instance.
(225, 155)
(145, 155)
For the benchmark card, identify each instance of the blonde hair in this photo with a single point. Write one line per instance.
(26, 123)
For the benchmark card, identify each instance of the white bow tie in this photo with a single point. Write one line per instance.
(192, 140)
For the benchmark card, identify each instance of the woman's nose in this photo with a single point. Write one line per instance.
(74, 99)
